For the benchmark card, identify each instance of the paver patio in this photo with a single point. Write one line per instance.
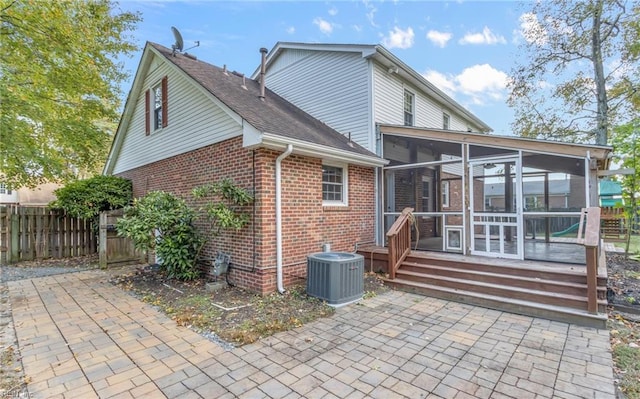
(79, 336)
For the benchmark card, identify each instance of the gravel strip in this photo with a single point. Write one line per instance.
(14, 273)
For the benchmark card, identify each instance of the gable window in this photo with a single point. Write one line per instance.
(446, 121)
(408, 108)
(4, 190)
(334, 185)
(156, 104)
(157, 107)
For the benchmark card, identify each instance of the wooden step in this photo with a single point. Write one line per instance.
(533, 283)
(518, 268)
(547, 311)
(500, 290)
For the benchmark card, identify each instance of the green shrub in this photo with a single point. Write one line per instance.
(164, 222)
(225, 209)
(87, 198)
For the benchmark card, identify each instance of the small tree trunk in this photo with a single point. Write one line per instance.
(601, 90)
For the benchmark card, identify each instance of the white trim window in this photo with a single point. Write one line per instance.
(445, 193)
(409, 105)
(446, 121)
(157, 107)
(334, 184)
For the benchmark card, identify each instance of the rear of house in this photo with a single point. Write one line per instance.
(188, 123)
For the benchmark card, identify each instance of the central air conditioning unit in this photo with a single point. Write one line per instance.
(336, 277)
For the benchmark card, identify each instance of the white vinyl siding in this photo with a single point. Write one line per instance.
(331, 86)
(388, 98)
(195, 122)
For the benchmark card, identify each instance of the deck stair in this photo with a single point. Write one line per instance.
(540, 289)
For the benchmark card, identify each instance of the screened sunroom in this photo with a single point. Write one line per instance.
(489, 195)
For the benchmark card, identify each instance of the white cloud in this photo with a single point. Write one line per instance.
(442, 82)
(325, 26)
(399, 38)
(482, 83)
(357, 28)
(439, 39)
(333, 11)
(482, 79)
(484, 37)
(371, 12)
(291, 30)
(531, 30)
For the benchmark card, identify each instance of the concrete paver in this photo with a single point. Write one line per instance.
(79, 336)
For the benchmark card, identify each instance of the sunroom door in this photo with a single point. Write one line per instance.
(496, 212)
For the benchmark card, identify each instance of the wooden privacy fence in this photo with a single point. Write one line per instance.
(34, 233)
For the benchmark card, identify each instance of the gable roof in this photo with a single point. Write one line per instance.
(273, 122)
(385, 57)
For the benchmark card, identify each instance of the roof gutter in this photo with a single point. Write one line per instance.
(318, 151)
(282, 156)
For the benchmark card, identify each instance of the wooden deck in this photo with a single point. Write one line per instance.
(556, 291)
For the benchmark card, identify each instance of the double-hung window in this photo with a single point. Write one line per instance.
(334, 185)
(446, 121)
(409, 105)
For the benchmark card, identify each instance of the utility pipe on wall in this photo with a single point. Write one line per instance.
(279, 216)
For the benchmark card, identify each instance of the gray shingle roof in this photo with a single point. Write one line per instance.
(274, 115)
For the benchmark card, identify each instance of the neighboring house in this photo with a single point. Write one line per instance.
(41, 195)
(187, 123)
(611, 194)
(555, 194)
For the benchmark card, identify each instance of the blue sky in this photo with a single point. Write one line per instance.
(466, 48)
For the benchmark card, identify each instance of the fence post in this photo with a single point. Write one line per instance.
(14, 228)
(102, 245)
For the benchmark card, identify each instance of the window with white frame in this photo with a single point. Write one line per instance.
(334, 184)
(444, 185)
(156, 103)
(157, 107)
(409, 99)
(446, 121)
(427, 202)
(3, 189)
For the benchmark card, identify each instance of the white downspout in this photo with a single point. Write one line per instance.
(279, 216)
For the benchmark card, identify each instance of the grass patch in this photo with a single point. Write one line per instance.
(634, 246)
(625, 339)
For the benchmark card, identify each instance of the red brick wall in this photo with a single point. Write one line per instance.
(307, 224)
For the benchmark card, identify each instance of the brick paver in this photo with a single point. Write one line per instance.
(79, 336)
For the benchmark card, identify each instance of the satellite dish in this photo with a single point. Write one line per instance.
(179, 44)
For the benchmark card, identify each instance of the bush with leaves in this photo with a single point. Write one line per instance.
(164, 222)
(87, 198)
(225, 209)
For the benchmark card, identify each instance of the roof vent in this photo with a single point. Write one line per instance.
(263, 63)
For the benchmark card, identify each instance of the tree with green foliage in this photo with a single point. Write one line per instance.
(87, 198)
(59, 86)
(626, 144)
(163, 222)
(580, 71)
